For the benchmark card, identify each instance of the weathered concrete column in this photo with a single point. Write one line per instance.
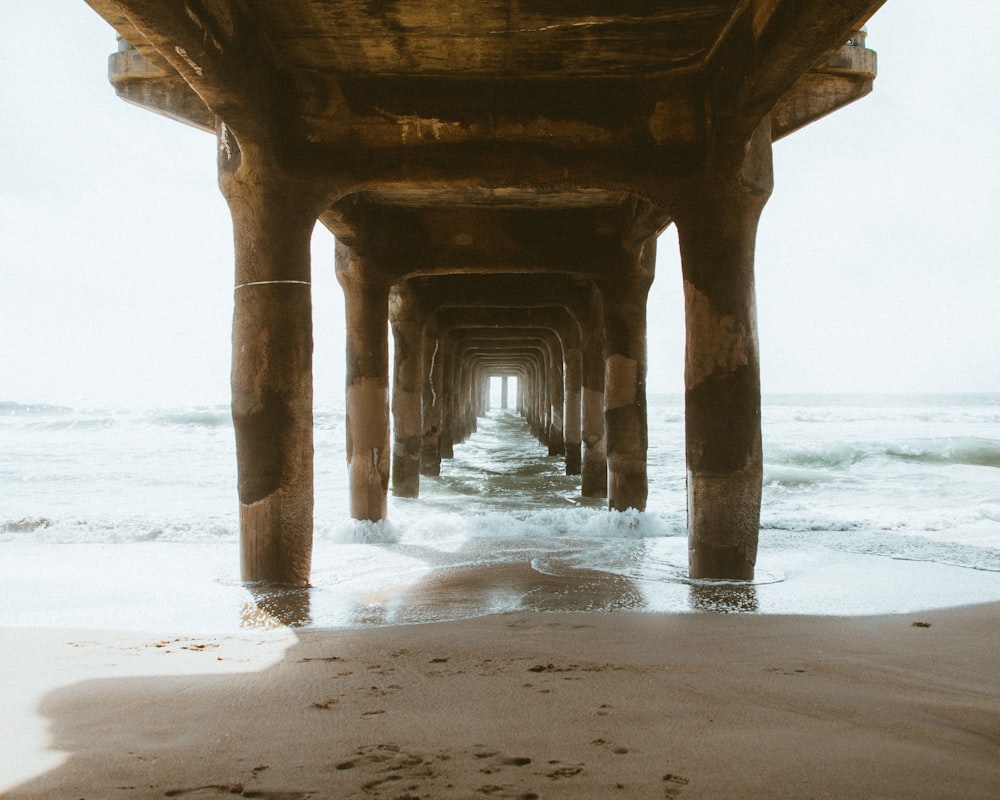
(484, 393)
(717, 232)
(463, 416)
(557, 396)
(271, 375)
(625, 382)
(594, 466)
(543, 396)
(430, 451)
(366, 304)
(407, 329)
(503, 392)
(571, 423)
(446, 439)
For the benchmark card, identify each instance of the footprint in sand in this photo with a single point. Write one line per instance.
(231, 790)
(569, 771)
(673, 785)
(618, 751)
(514, 761)
(491, 789)
(383, 764)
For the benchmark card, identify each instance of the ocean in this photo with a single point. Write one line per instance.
(128, 519)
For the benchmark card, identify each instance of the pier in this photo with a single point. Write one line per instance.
(496, 176)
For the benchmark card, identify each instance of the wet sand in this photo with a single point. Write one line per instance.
(518, 705)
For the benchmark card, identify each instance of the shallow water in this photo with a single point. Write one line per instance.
(128, 519)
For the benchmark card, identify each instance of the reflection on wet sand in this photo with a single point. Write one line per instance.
(726, 597)
(478, 590)
(276, 606)
(471, 587)
(445, 594)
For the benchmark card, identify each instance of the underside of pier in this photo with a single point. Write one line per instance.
(496, 175)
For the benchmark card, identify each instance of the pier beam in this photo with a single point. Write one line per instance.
(366, 304)
(625, 382)
(407, 387)
(717, 232)
(271, 378)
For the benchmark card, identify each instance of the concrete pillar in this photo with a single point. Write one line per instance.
(536, 415)
(366, 305)
(536, 396)
(271, 369)
(407, 386)
(625, 382)
(717, 233)
(503, 392)
(557, 397)
(542, 391)
(430, 451)
(571, 423)
(463, 415)
(594, 466)
(446, 439)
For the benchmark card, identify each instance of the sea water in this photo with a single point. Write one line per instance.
(128, 518)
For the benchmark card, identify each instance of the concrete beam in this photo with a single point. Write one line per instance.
(764, 54)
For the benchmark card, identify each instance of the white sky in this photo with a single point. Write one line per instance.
(876, 259)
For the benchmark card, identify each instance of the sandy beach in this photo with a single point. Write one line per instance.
(519, 705)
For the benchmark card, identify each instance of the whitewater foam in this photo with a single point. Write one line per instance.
(909, 484)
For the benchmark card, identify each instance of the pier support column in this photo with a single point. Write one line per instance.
(430, 452)
(407, 328)
(557, 396)
(366, 305)
(271, 378)
(625, 382)
(594, 466)
(717, 233)
(503, 392)
(446, 439)
(574, 368)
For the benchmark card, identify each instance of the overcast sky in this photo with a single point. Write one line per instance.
(876, 259)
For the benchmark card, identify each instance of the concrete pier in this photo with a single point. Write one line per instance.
(717, 233)
(625, 380)
(496, 177)
(366, 305)
(271, 374)
(407, 391)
